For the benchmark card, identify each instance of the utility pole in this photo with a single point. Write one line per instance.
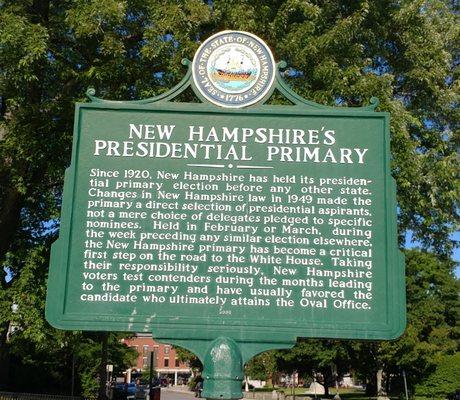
(154, 392)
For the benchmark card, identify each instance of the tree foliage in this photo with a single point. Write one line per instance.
(339, 52)
(444, 381)
(185, 355)
(88, 360)
(262, 366)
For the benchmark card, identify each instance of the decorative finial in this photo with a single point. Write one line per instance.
(91, 93)
(374, 102)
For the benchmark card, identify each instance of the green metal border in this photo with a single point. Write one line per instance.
(261, 336)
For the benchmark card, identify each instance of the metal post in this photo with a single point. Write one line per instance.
(405, 384)
(151, 370)
(154, 392)
(223, 370)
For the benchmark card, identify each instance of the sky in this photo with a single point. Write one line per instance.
(455, 256)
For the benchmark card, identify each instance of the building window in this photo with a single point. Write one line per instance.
(177, 363)
(166, 360)
(167, 348)
(145, 362)
(145, 350)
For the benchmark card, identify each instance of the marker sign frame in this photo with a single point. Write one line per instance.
(261, 224)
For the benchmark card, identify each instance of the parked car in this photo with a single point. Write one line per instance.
(131, 388)
(122, 391)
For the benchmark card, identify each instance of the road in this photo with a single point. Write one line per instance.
(172, 394)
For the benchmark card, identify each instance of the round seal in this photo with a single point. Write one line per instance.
(233, 69)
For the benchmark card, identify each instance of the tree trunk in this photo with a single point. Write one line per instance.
(10, 216)
(387, 384)
(103, 367)
(379, 377)
(4, 357)
(270, 380)
(327, 380)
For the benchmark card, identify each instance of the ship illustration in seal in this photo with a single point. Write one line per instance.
(233, 71)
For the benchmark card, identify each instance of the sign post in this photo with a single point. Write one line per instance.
(229, 227)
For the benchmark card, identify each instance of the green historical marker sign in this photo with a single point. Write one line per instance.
(248, 227)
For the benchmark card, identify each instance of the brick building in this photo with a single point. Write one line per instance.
(166, 363)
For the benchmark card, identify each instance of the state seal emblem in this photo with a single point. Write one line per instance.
(233, 69)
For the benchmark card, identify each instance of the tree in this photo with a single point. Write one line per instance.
(42, 356)
(432, 331)
(330, 358)
(262, 367)
(91, 365)
(35, 347)
(444, 381)
(403, 52)
(185, 355)
(49, 55)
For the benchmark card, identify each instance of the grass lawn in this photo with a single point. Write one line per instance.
(302, 390)
(345, 393)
